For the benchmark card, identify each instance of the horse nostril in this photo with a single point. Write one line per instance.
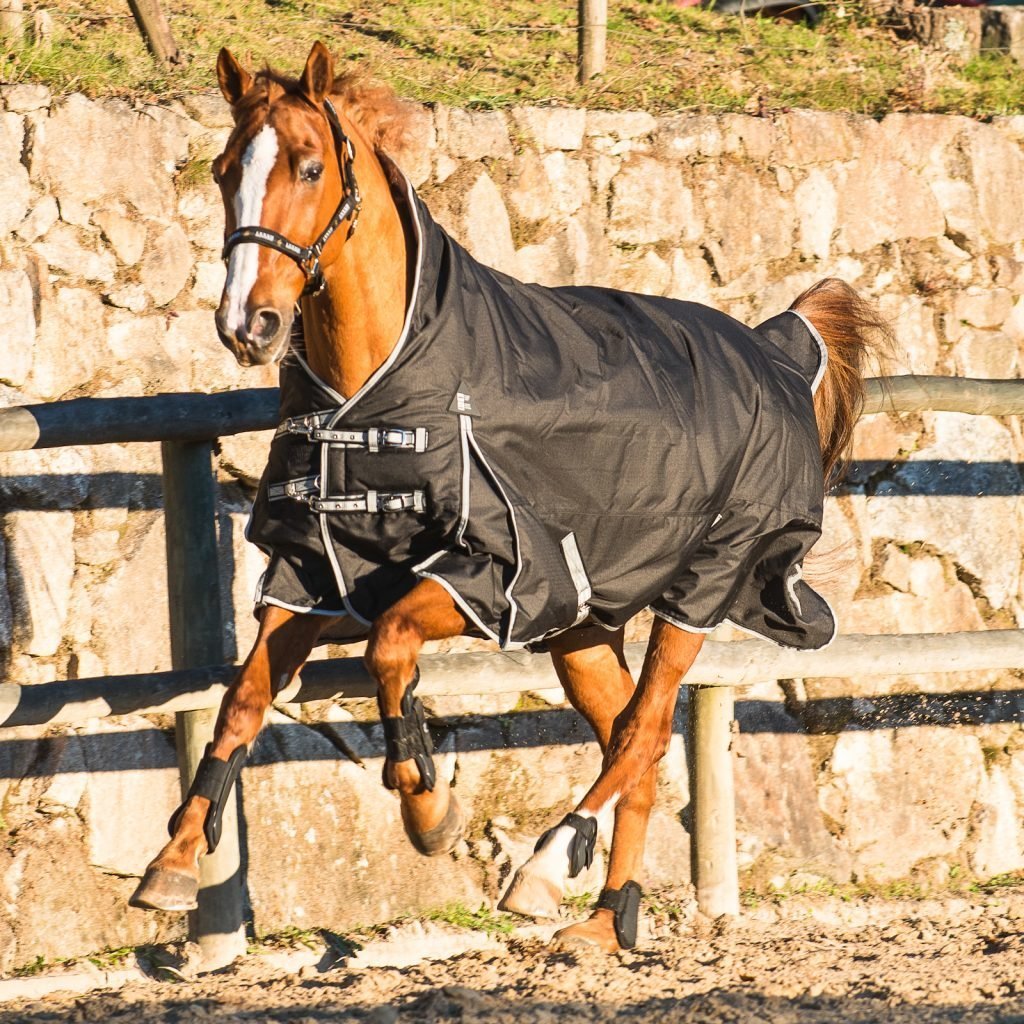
(264, 325)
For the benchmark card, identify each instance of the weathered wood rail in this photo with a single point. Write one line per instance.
(188, 424)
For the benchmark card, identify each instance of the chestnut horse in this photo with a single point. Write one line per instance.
(302, 164)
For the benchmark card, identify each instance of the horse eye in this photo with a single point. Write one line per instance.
(312, 171)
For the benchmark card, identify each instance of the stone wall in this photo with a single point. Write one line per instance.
(110, 231)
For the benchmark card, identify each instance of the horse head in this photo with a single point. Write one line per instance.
(287, 182)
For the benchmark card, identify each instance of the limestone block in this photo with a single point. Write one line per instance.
(147, 345)
(166, 264)
(50, 478)
(958, 201)
(691, 278)
(126, 811)
(986, 354)
(983, 307)
(416, 154)
(97, 547)
(40, 565)
(127, 237)
(619, 125)
(817, 205)
(244, 456)
(956, 30)
(25, 97)
(175, 131)
(551, 127)
(486, 227)
(974, 525)
(326, 844)
(132, 297)
(17, 327)
(752, 137)
(812, 137)
(549, 263)
(242, 565)
(648, 274)
(202, 211)
(15, 192)
(530, 195)
(62, 249)
(137, 587)
(882, 436)
(995, 842)
(570, 183)
(997, 167)
(901, 202)
(750, 223)
(902, 796)
(650, 204)
(209, 109)
(473, 134)
(74, 212)
(1012, 126)
(927, 143)
(73, 157)
(917, 348)
(834, 565)
(41, 218)
(208, 284)
(896, 568)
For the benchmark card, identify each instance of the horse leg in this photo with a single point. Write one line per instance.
(430, 811)
(592, 668)
(171, 881)
(637, 740)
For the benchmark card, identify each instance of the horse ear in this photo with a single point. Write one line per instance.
(318, 76)
(233, 78)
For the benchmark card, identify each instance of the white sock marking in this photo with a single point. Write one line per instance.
(257, 162)
(551, 861)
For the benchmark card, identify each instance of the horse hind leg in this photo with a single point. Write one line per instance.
(171, 881)
(591, 667)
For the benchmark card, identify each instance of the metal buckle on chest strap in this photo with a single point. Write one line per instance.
(375, 439)
(372, 501)
(300, 488)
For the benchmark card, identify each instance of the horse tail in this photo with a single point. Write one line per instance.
(851, 329)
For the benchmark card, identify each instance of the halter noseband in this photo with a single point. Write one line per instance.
(308, 256)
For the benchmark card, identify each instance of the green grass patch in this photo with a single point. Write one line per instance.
(475, 54)
(481, 920)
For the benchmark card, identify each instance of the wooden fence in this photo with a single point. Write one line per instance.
(187, 426)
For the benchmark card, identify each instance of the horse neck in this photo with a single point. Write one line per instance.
(352, 326)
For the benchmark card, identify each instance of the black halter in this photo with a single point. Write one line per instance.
(308, 257)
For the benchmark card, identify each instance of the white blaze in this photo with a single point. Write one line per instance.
(257, 162)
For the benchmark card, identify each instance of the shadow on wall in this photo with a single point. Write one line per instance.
(113, 751)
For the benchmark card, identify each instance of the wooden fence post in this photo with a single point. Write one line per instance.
(593, 30)
(193, 591)
(713, 800)
(156, 30)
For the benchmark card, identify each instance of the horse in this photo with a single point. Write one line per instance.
(462, 454)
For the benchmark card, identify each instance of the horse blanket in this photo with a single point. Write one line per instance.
(552, 457)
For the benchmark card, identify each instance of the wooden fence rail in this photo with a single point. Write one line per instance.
(188, 423)
(190, 417)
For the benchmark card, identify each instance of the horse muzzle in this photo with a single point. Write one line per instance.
(261, 339)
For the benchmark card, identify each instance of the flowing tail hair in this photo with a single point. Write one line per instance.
(852, 329)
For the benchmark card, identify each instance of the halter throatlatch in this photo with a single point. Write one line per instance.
(407, 736)
(308, 256)
(624, 903)
(581, 846)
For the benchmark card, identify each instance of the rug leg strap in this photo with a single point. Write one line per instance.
(581, 846)
(406, 736)
(214, 779)
(624, 903)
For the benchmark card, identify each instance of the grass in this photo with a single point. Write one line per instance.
(480, 920)
(477, 54)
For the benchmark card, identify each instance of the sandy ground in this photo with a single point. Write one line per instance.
(807, 959)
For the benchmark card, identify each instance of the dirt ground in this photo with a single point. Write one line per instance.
(806, 959)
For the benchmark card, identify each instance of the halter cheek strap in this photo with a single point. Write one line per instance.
(308, 256)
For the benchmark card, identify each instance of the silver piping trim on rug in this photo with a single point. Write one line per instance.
(679, 624)
(821, 345)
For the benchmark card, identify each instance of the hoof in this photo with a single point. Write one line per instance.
(597, 933)
(443, 836)
(531, 896)
(161, 889)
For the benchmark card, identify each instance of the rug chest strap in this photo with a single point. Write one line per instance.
(213, 780)
(581, 846)
(407, 736)
(624, 903)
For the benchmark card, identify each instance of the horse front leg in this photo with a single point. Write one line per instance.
(171, 881)
(431, 814)
(638, 736)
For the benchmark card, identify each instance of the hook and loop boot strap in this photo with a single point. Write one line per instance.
(407, 736)
(214, 779)
(581, 846)
(624, 903)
